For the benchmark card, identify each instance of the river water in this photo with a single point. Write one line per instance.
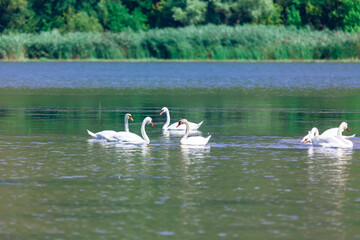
(254, 180)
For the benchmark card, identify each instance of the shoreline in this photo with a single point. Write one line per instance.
(189, 60)
(331, 92)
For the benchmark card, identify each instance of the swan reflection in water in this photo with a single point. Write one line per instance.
(129, 150)
(122, 150)
(330, 164)
(169, 134)
(342, 154)
(92, 141)
(327, 183)
(191, 154)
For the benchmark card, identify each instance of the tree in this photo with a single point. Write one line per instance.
(15, 15)
(116, 17)
(158, 12)
(352, 18)
(193, 14)
(218, 12)
(293, 16)
(82, 22)
(251, 11)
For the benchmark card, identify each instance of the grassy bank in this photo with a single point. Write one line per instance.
(249, 42)
(232, 92)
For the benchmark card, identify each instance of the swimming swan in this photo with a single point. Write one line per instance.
(315, 132)
(172, 127)
(196, 140)
(339, 140)
(108, 133)
(132, 137)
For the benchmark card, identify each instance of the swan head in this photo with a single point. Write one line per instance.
(182, 121)
(148, 120)
(311, 134)
(307, 138)
(344, 126)
(164, 109)
(128, 116)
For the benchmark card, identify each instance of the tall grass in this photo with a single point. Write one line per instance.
(248, 42)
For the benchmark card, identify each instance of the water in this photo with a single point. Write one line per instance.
(254, 180)
(182, 75)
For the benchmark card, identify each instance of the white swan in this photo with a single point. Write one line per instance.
(197, 140)
(172, 127)
(328, 140)
(108, 133)
(132, 137)
(315, 132)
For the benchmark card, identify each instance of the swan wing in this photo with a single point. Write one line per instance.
(330, 132)
(128, 137)
(324, 141)
(197, 140)
(331, 141)
(351, 136)
(193, 126)
(91, 133)
(333, 132)
(102, 135)
(173, 127)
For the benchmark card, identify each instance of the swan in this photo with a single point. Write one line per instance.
(315, 132)
(197, 140)
(339, 140)
(108, 133)
(172, 127)
(132, 137)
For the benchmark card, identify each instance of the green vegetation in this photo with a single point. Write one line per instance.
(211, 42)
(32, 16)
(186, 29)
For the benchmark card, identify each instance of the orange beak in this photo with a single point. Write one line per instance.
(347, 129)
(131, 118)
(178, 125)
(152, 124)
(161, 112)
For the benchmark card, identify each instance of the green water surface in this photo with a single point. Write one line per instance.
(254, 180)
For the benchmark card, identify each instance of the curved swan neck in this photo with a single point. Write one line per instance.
(167, 123)
(186, 132)
(143, 132)
(341, 128)
(341, 137)
(126, 120)
(339, 133)
(316, 132)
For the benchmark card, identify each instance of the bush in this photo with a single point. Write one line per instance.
(248, 42)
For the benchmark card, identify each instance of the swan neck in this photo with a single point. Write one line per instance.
(186, 132)
(167, 123)
(339, 133)
(143, 132)
(341, 137)
(126, 121)
(316, 132)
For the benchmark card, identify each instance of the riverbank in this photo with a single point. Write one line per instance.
(202, 43)
(185, 60)
(357, 60)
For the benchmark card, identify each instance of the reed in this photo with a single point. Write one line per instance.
(210, 42)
